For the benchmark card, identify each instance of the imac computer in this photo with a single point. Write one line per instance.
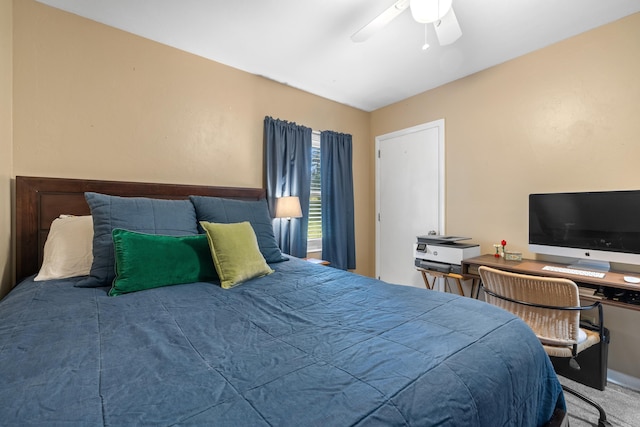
(595, 228)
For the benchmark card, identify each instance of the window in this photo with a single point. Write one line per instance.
(314, 234)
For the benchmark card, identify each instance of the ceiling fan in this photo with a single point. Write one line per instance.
(437, 12)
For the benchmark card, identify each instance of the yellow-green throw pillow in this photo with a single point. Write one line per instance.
(145, 261)
(235, 252)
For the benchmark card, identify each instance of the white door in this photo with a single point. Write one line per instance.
(409, 197)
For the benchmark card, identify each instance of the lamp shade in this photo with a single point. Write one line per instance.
(288, 207)
(427, 11)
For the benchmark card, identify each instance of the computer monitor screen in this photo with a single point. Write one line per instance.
(590, 226)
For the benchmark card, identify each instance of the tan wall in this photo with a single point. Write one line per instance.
(6, 157)
(95, 102)
(563, 118)
(559, 119)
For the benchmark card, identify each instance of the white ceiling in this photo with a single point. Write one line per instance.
(306, 43)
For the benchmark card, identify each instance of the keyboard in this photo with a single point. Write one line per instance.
(564, 270)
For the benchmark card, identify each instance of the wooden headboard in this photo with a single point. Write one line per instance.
(40, 200)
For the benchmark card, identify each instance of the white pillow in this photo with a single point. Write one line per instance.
(68, 250)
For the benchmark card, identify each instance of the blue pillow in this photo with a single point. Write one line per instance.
(227, 211)
(144, 215)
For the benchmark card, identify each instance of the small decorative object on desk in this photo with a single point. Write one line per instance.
(513, 256)
(500, 249)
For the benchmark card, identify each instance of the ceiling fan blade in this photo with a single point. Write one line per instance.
(448, 29)
(380, 21)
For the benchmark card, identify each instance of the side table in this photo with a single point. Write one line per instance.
(317, 261)
(446, 276)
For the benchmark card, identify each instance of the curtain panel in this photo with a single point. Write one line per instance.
(288, 170)
(338, 230)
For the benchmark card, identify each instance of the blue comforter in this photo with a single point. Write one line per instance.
(305, 346)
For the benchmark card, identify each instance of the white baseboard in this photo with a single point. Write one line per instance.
(623, 379)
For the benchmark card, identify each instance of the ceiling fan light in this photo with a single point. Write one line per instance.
(427, 11)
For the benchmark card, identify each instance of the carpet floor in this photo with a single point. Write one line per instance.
(621, 404)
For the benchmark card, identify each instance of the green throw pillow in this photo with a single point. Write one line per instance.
(235, 252)
(145, 261)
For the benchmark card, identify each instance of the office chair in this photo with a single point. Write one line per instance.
(551, 307)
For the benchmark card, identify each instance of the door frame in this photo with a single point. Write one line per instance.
(439, 124)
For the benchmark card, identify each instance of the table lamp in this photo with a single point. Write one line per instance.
(288, 207)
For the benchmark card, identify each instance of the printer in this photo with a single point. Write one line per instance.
(443, 253)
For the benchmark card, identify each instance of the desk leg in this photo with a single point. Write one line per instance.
(448, 285)
(428, 284)
(475, 283)
(475, 288)
(459, 286)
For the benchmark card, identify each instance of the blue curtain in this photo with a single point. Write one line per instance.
(338, 231)
(288, 166)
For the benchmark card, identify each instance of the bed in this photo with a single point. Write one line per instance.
(302, 345)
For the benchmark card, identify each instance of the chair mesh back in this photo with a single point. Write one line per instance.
(553, 327)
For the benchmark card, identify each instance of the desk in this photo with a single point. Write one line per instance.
(612, 279)
(446, 276)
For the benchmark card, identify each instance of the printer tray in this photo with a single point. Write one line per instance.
(438, 266)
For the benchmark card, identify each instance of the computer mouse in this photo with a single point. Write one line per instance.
(631, 279)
